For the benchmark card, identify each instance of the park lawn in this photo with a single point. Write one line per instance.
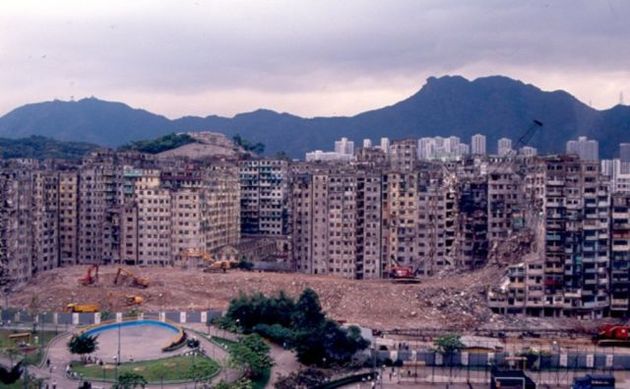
(33, 357)
(178, 368)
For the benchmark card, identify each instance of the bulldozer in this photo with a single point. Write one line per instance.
(134, 300)
(193, 256)
(122, 275)
(220, 265)
(89, 278)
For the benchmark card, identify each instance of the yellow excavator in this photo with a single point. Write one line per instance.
(122, 275)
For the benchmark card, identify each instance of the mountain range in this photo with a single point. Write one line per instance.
(496, 106)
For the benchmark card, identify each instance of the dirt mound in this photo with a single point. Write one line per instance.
(455, 301)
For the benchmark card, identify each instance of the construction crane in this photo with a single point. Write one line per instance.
(89, 278)
(123, 274)
(522, 141)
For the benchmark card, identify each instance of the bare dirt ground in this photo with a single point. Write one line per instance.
(455, 301)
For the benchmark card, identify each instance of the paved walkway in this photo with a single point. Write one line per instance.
(59, 357)
(285, 362)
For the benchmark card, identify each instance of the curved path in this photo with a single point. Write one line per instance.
(60, 357)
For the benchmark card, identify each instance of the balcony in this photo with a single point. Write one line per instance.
(620, 303)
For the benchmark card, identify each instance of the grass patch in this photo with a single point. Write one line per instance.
(178, 368)
(34, 352)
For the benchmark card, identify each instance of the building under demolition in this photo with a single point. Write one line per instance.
(554, 222)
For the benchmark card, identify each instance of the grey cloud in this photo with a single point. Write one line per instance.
(300, 46)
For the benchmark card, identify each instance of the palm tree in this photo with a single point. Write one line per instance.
(83, 344)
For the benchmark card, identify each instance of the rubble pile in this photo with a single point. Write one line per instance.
(455, 301)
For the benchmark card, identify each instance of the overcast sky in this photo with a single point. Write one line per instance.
(305, 57)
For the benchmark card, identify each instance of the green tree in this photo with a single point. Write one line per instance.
(256, 148)
(308, 312)
(448, 345)
(251, 354)
(130, 380)
(83, 344)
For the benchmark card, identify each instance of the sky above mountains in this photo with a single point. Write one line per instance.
(305, 57)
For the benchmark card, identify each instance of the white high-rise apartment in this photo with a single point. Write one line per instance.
(426, 148)
(451, 145)
(385, 145)
(464, 149)
(367, 143)
(504, 146)
(478, 144)
(587, 150)
(528, 151)
(344, 146)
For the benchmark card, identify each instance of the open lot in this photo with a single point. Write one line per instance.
(454, 301)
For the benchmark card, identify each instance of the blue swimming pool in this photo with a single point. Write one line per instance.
(134, 323)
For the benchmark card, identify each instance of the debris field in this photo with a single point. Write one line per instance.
(450, 302)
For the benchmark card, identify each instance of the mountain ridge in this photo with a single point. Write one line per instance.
(449, 105)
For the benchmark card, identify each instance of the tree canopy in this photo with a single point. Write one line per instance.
(83, 344)
(449, 343)
(300, 325)
(256, 148)
(164, 143)
(130, 380)
(251, 354)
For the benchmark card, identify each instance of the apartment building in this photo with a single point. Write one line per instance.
(68, 217)
(505, 203)
(28, 220)
(573, 277)
(264, 197)
(620, 255)
(336, 221)
(45, 211)
(403, 154)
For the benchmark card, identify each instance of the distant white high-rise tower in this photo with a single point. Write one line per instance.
(344, 146)
(586, 149)
(385, 145)
(478, 144)
(504, 146)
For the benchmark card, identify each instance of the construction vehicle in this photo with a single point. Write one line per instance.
(122, 275)
(82, 308)
(402, 274)
(220, 265)
(134, 300)
(195, 256)
(613, 335)
(89, 278)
